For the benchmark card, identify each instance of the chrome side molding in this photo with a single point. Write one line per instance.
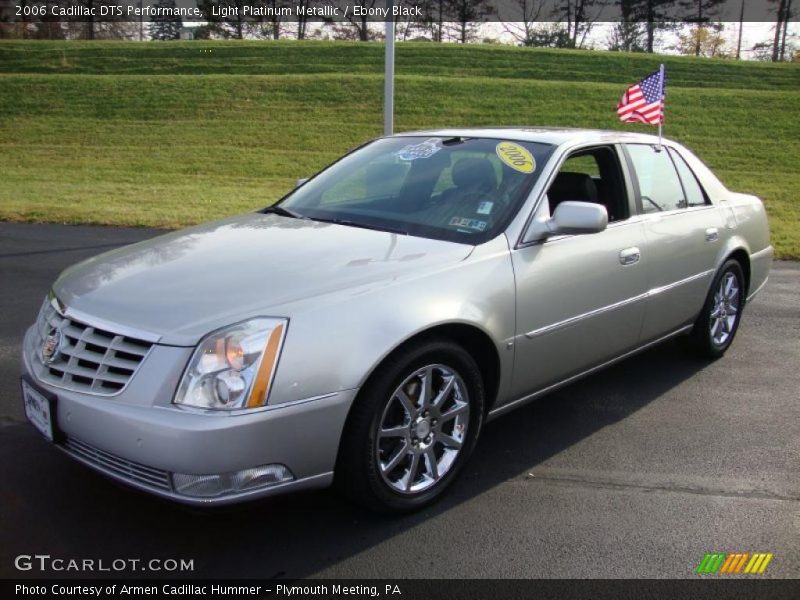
(598, 311)
(500, 410)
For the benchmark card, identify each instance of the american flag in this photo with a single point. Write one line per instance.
(644, 101)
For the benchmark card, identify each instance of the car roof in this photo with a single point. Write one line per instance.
(546, 135)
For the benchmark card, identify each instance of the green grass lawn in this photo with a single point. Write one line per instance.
(168, 134)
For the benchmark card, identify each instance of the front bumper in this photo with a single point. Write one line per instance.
(140, 438)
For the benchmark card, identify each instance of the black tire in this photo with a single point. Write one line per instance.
(702, 340)
(358, 474)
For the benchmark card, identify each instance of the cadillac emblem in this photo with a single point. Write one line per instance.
(51, 347)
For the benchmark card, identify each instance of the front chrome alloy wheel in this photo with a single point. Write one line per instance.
(725, 309)
(422, 429)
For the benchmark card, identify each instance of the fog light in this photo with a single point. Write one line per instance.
(204, 486)
(210, 486)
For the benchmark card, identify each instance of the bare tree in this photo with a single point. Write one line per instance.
(107, 28)
(30, 27)
(580, 16)
(302, 18)
(787, 15)
(271, 25)
(739, 36)
(436, 15)
(359, 24)
(456, 20)
(524, 29)
(779, 25)
(426, 24)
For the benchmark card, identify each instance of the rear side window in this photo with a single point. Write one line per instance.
(694, 193)
(659, 186)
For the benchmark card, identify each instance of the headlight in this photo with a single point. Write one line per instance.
(233, 368)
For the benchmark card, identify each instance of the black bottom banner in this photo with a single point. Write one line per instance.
(405, 589)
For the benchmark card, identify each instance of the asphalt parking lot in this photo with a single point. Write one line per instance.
(635, 472)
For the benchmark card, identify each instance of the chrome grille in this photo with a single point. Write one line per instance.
(90, 359)
(129, 470)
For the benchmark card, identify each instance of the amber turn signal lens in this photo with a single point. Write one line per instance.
(269, 359)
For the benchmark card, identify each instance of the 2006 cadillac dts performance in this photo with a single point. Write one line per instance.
(361, 331)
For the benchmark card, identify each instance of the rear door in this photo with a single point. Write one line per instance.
(682, 230)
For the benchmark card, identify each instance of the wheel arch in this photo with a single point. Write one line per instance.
(473, 339)
(741, 256)
(478, 343)
(735, 247)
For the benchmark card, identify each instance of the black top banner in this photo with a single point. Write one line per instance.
(365, 11)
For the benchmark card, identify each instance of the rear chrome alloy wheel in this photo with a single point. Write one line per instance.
(422, 429)
(725, 309)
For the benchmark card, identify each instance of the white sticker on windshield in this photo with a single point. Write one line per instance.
(485, 207)
(424, 149)
(469, 223)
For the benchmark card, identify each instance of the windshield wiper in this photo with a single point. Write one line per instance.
(284, 212)
(361, 225)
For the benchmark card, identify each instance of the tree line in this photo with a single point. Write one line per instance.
(534, 23)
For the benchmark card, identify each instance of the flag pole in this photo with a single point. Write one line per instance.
(388, 76)
(663, 105)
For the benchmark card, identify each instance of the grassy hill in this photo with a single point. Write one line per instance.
(168, 134)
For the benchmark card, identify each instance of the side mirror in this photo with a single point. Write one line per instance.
(570, 217)
(300, 182)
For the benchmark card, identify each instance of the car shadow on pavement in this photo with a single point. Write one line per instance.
(55, 506)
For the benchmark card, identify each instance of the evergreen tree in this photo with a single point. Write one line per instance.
(466, 16)
(165, 27)
(627, 36)
(655, 16)
(234, 27)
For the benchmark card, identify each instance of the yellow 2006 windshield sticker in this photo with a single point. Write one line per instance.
(516, 157)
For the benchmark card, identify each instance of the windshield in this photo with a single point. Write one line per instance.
(456, 189)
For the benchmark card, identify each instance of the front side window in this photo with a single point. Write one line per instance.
(591, 175)
(457, 189)
(659, 186)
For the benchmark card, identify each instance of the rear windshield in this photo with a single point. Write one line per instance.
(456, 189)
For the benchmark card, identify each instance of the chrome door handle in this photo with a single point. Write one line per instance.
(712, 234)
(629, 256)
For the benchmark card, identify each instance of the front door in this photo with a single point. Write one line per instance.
(580, 298)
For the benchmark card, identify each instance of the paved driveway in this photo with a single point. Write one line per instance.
(635, 472)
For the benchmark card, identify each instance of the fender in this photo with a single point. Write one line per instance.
(318, 359)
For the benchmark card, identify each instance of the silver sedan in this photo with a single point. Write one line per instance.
(362, 330)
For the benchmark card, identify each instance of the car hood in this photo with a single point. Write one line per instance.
(181, 285)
